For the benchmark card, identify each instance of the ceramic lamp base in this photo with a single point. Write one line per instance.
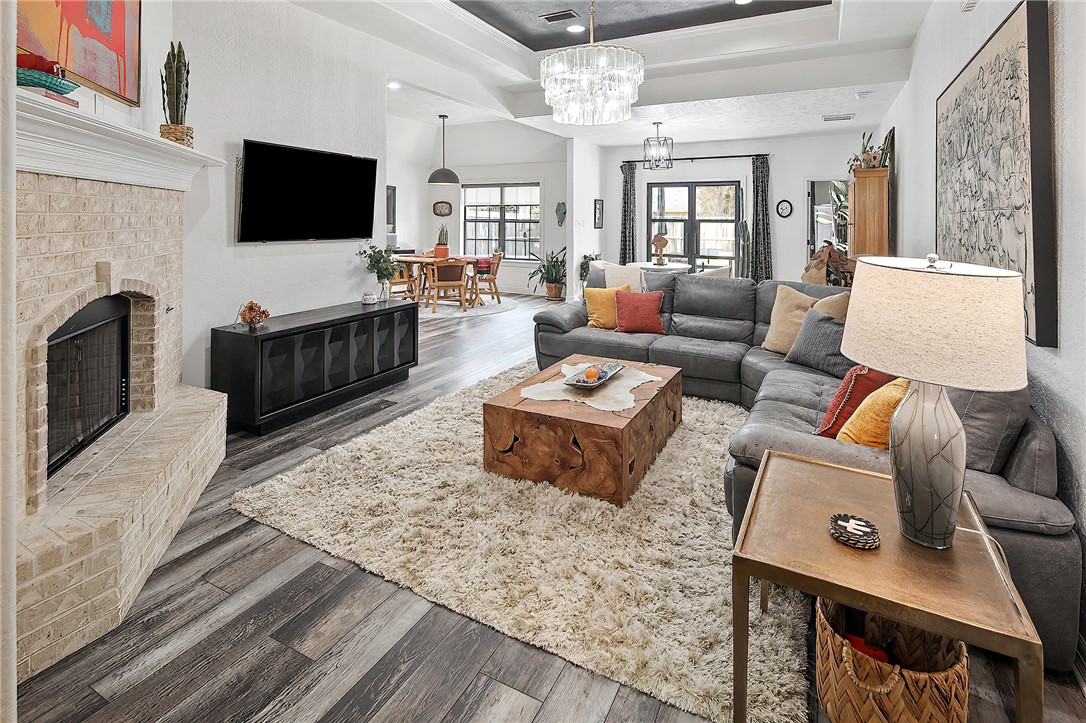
(927, 464)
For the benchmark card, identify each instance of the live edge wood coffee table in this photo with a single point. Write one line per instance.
(577, 447)
(964, 592)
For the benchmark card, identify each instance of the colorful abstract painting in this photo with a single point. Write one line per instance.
(96, 41)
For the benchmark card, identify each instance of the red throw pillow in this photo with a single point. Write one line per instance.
(639, 313)
(859, 382)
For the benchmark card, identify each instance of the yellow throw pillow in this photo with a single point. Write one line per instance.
(789, 308)
(869, 425)
(602, 307)
(835, 306)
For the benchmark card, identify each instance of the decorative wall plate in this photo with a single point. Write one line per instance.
(784, 208)
(443, 208)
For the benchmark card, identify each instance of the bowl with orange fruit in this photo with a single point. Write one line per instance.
(594, 375)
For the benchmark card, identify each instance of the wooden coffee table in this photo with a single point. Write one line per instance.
(964, 592)
(577, 447)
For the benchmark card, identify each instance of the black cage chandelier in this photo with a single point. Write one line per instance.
(658, 151)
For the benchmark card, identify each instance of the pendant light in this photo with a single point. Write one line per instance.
(443, 176)
(594, 84)
(658, 151)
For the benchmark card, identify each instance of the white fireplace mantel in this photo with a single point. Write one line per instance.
(52, 138)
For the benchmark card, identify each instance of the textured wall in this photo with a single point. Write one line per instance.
(274, 72)
(946, 42)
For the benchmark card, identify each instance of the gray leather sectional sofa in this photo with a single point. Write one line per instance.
(714, 328)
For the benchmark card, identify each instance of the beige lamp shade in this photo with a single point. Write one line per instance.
(958, 325)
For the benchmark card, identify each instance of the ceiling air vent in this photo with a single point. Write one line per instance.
(833, 118)
(559, 16)
(969, 5)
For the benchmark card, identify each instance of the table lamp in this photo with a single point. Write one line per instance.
(937, 324)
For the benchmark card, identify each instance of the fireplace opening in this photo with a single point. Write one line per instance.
(87, 373)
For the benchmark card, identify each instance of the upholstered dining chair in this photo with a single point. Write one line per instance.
(487, 281)
(405, 284)
(447, 279)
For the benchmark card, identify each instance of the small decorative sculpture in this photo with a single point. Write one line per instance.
(659, 243)
(560, 212)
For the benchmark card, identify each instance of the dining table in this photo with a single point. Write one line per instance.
(477, 263)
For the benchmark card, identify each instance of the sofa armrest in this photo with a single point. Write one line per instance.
(566, 317)
(749, 444)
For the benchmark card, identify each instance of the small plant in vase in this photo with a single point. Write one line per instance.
(253, 315)
(441, 250)
(552, 272)
(585, 267)
(379, 262)
(175, 97)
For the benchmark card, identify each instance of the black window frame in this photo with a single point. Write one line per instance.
(508, 247)
(692, 222)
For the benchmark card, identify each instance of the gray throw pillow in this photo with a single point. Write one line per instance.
(818, 345)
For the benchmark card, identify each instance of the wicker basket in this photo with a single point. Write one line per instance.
(177, 134)
(853, 687)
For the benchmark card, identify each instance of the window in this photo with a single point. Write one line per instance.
(502, 217)
(700, 221)
(390, 208)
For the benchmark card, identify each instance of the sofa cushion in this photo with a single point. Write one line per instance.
(1003, 505)
(855, 387)
(602, 307)
(758, 362)
(808, 390)
(639, 313)
(619, 275)
(992, 422)
(598, 342)
(818, 345)
(789, 309)
(702, 358)
(869, 425)
(712, 308)
(835, 306)
(1032, 464)
(766, 295)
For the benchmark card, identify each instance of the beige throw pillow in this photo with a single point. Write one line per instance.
(724, 273)
(619, 275)
(835, 306)
(789, 308)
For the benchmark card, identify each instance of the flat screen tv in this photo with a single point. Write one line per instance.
(298, 194)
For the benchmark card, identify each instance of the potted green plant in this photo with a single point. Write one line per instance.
(379, 262)
(586, 262)
(441, 251)
(552, 272)
(175, 97)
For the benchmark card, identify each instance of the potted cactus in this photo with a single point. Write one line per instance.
(441, 251)
(175, 97)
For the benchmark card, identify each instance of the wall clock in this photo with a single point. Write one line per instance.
(784, 209)
(443, 208)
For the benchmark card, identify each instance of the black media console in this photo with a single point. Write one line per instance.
(297, 364)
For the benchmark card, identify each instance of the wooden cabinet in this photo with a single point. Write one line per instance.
(869, 213)
(297, 364)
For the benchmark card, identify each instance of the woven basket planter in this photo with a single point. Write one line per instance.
(931, 684)
(177, 134)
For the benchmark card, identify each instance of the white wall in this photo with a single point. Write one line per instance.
(412, 153)
(793, 161)
(506, 152)
(272, 72)
(584, 184)
(946, 42)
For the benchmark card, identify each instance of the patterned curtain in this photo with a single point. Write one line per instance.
(761, 262)
(626, 249)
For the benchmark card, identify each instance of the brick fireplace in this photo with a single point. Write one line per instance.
(90, 533)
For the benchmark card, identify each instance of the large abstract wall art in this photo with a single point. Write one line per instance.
(993, 158)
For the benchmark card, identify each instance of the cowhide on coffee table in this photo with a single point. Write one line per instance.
(577, 447)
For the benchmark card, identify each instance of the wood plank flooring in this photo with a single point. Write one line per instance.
(242, 623)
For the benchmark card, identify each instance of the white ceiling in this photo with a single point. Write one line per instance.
(424, 106)
(741, 117)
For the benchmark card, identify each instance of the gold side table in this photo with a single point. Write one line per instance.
(964, 592)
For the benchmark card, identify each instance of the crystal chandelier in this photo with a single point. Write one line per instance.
(658, 151)
(591, 85)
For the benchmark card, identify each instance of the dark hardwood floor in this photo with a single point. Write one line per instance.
(239, 622)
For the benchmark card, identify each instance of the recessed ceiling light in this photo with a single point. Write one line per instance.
(575, 29)
(863, 95)
(393, 85)
(743, 2)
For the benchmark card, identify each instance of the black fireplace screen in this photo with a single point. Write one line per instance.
(87, 372)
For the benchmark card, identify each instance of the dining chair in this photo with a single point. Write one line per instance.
(447, 279)
(487, 282)
(405, 283)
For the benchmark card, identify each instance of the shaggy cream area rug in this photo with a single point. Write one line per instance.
(640, 594)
